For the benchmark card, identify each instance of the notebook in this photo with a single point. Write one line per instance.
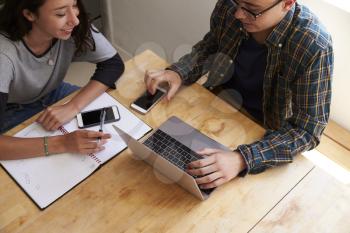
(46, 179)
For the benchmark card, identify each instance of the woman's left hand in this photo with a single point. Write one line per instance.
(54, 117)
(216, 168)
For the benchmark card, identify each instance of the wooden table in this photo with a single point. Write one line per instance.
(319, 203)
(126, 195)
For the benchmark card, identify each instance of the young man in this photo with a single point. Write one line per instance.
(279, 57)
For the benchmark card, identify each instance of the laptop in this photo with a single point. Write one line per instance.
(170, 148)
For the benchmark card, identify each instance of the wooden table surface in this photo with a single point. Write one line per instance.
(127, 195)
(319, 203)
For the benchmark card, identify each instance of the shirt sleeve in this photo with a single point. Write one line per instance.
(311, 98)
(109, 71)
(197, 63)
(3, 102)
(103, 51)
(6, 74)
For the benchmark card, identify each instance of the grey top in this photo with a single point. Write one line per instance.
(27, 78)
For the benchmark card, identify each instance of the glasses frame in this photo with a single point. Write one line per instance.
(253, 14)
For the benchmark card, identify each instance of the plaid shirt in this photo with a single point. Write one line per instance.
(297, 80)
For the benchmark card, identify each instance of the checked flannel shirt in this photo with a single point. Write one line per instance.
(297, 80)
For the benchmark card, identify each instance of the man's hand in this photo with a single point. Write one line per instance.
(54, 117)
(216, 168)
(154, 78)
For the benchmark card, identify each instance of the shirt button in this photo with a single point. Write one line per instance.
(241, 29)
(280, 45)
(211, 88)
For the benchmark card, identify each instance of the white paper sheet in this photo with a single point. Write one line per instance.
(45, 179)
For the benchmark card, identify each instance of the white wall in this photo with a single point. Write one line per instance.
(172, 26)
(164, 25)
(337, 22)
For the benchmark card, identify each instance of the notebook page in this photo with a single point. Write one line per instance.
(128, 122)
(45, 179)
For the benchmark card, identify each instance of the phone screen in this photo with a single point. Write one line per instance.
(93, 117)
(147, 99)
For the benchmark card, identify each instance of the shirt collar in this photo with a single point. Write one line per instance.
(279, 34)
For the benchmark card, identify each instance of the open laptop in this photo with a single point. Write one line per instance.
(170, 148)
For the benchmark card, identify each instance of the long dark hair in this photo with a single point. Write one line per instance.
(15, 26)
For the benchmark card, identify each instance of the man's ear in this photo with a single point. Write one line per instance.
(288, 4)
(30, 16)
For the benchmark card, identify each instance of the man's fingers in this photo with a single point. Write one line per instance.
(203, 171)
(213, 184)
(172, 91)
(202, 162)
(152, 80)
(209, 178)
(148, 81)
(208, 151)
(155, 84)
(155, 73)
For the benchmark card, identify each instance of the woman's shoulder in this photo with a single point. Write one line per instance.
(7, 46)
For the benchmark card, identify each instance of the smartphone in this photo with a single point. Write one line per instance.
(92, 118)
(146, 101)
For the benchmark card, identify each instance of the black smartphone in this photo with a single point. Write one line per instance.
(92, 118)
(146, 101)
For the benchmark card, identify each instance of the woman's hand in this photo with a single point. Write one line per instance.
(84, 141)
(54, 117)
(217, 168)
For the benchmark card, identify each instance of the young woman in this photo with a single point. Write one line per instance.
(38, 41)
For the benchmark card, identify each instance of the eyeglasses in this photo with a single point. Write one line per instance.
(250, 14)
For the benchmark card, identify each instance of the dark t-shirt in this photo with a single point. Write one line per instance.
(248, 77)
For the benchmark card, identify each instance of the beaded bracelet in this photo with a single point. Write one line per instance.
(46, 146)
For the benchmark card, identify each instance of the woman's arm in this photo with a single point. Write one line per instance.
(105, 76)
(81, 142)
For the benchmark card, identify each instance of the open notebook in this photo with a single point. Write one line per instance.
(45, 179)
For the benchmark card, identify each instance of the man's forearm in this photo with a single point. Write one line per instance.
(276, 148)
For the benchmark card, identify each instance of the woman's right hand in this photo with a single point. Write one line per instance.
(85, 141)
(154, 78)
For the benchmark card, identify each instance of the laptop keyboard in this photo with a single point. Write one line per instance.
(173, 151)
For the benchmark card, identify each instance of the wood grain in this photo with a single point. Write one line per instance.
(318, 204)
(338, 134)
(127, 195)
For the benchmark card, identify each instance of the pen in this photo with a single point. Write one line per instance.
(102, 121)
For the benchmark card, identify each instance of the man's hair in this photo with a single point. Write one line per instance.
(15, 26)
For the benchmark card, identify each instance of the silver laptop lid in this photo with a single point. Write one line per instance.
(165, 167)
